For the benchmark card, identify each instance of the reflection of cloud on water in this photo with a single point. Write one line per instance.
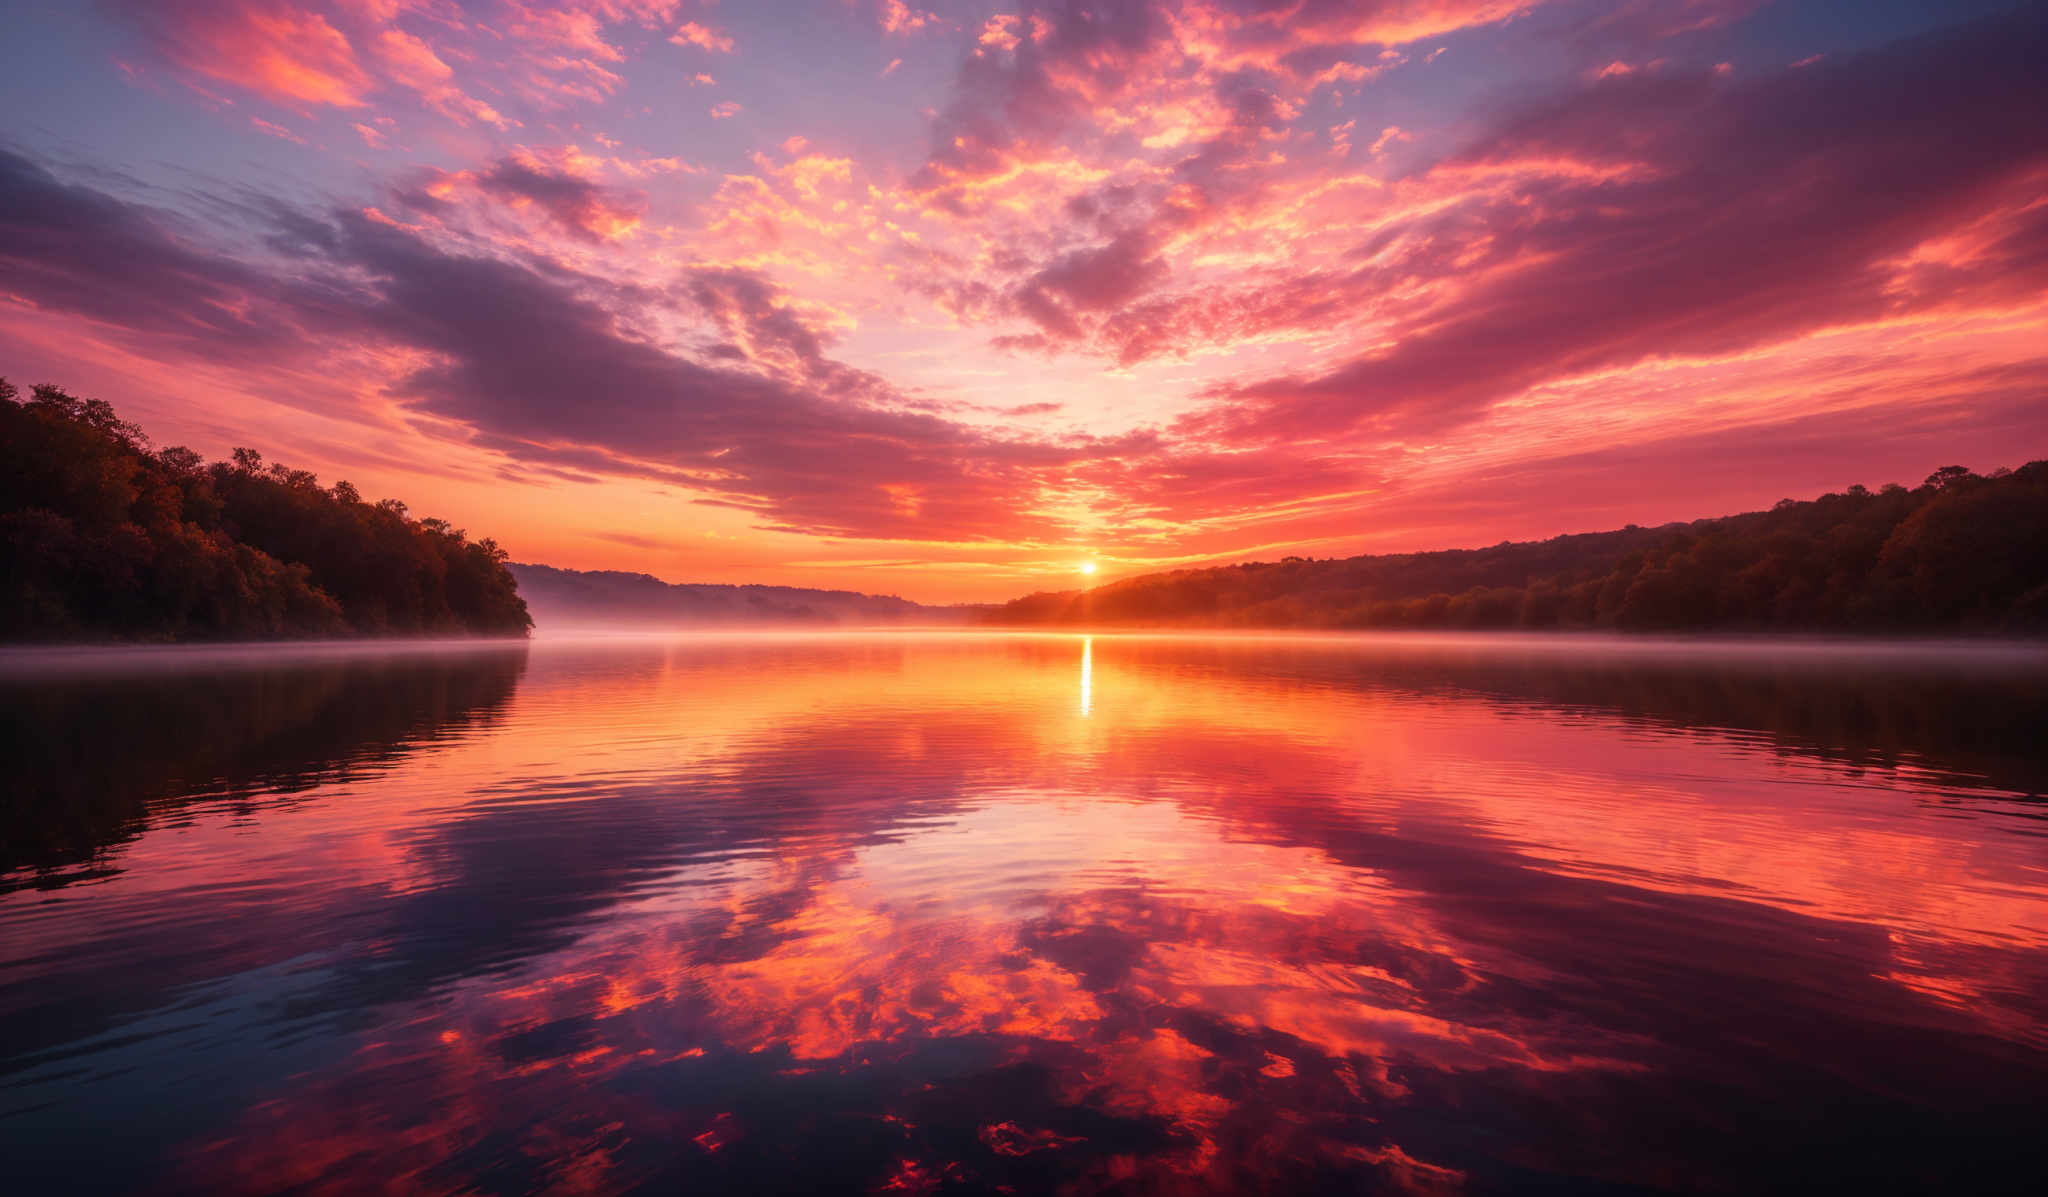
(1259, 919)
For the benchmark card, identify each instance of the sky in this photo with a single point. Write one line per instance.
(950, 300)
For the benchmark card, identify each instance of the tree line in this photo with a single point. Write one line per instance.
(102, 536)
(1958, 553)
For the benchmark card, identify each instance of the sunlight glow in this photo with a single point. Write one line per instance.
(1086, 567)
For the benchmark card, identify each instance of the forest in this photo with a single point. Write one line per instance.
(103, 537)
(1960, 553)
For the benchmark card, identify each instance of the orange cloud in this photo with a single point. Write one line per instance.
(898, 17)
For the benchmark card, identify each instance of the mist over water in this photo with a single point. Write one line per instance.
(955, 911)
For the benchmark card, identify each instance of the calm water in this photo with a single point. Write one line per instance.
(958, 913)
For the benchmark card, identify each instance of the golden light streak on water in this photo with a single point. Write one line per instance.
(1087, 676)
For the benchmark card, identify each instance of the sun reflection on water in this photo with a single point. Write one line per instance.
(1087, 676)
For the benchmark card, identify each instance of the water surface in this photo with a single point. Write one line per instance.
(966, 913)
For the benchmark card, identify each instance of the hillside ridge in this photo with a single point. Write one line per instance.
(1960, 552)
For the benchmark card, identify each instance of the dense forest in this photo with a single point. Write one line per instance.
(103, 537)
(1959, 553)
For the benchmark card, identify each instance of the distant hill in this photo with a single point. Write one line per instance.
(568, 598)
(1959, 553)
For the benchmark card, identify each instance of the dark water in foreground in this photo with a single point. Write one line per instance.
(957, 913)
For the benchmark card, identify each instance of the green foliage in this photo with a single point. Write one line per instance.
(1958, 553)
(100, 536)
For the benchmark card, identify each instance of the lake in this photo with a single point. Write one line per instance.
(983, 913)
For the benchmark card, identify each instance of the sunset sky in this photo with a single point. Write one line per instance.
(947, 300)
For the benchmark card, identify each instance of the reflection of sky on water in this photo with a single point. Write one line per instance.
(932, 912)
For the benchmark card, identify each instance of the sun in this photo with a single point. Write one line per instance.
(1086, 567)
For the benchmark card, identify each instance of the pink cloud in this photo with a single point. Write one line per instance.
(693, 34)
(563, 186)
(280, 51)
(278, 131)
(346, 53)
(1388, 136)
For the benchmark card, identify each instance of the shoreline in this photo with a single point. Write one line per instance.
(1750, 648)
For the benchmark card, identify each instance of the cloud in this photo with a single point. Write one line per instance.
(550, 188)
(270, 129)
(282, 52)
(1638, 21)
(1678, 213)
(534, 367)
(898, 17)
(579, 25)
(1181, 127)
(575, 203)
(411, 63)
(75, 249)
(756, 316)
(537, 367)
(693, 34)
(350, 53)
(1031, 76)
(1095, 279)
(1303, 39)
(1036, 78)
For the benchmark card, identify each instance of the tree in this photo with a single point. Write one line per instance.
(101, 537)
(1960, 552)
